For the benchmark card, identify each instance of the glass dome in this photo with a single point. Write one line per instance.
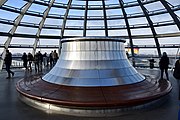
(151, 26)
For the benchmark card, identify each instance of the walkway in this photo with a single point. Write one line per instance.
(13, 108)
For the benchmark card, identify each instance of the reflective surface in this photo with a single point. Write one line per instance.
(93, 61)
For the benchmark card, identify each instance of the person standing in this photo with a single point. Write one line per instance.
(8, 61)
(176, 72)
(40, 60)
(51, 58)
(163, 64)
(36, 62)
(24, 58)
(55, 57)
(30, 59)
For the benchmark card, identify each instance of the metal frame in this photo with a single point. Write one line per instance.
(128, 30)
(151, 26)
(105, 18)
(173, 15)
(2, 2)
(65, 18)
(85, 19)
(13, 29)
(40, 26)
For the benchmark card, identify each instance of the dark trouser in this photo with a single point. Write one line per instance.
(30, 67)
(36, 65)
(8, 70)
(25, 64)
(166, 72)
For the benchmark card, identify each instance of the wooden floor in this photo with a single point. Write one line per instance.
(13, 108)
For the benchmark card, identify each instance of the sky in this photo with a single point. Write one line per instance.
(75, 23)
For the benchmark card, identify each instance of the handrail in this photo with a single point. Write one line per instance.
(57, 46)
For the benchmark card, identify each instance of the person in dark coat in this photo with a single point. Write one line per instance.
(36, 62)
(8, 61)
(163, 65)
(40, 60)
(24, 59)
(30, 59)
(176, 73)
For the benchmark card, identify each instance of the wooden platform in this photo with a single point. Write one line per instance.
(140, 93)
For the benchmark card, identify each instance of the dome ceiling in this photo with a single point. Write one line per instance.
(155, 22)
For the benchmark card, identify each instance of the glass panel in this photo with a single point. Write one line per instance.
(50, 21)
(95, 23)
(73, 33)
(110, 2)
(173, 2)
(141, 31)
(135, 21)
(5, 28)
(95, 13)
(3, 39)
(26, 30)
(17, 4)
(50, 32)
(96, 33)
(38, 8)
(117, 32)
(154, 6)
(31, 19)
(57, 11)
(74, 23)
(110, 12)
(161, 18)
(133, 10)
(22, 41)
(116, 22)
(166, 29)
(76, 12)
(8, 15)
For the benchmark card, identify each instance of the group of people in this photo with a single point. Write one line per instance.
(39, 59)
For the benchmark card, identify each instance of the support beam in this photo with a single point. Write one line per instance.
(173, 15)
(85, 19)
(2, 2)
(40, 26)
(13, 29)
(151, 26)
(65, 18)
(105, 18)
(128, 30)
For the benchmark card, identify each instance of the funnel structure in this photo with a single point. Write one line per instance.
(92, 77)
(93, 62)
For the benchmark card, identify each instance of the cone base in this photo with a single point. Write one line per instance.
(83, 100)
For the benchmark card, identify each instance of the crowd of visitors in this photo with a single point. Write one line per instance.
(49, 60)
(40, 60)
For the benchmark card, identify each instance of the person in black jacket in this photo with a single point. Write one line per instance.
(24, 59)
(163, 64)
(176, 73)
(8, 61)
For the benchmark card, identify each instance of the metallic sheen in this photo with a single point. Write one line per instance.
(92, 62)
